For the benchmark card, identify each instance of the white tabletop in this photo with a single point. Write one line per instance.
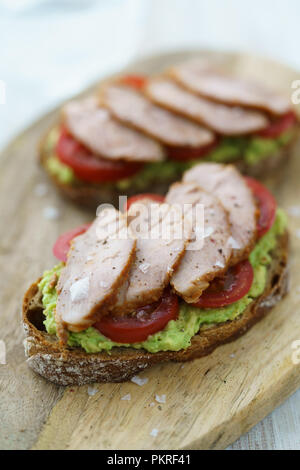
(51, 49)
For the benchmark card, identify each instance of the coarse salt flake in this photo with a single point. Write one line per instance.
(144, 267)
(233, 243)
(80, 289)
(219, 264)
(160, 398)
(139, 381)
(51, 213)
(126, 397)
(154, 432)
(92, 391)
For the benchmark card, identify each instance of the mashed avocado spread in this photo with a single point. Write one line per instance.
(178, 333)
(252, 149)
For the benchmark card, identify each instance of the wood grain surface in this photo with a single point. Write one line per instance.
(209, 402)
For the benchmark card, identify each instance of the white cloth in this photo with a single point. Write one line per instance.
(51, 49)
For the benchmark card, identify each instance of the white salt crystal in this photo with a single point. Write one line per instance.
(144, 267)
(126, 397)
(80, 289)
(160, 398)
(139, 381)
(233, 243)
(92, 391)
(219, 264)
(51, 213)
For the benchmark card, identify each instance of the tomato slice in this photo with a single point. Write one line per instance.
(233, 286)
(62, 244)
(147, 321)
(184, 154)
(277, 127)
(266, 203)
(87, 166)
(139, 197)
(135, 81)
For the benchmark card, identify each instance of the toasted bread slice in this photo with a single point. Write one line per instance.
(75, 367)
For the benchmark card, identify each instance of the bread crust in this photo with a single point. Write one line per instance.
(75, 367)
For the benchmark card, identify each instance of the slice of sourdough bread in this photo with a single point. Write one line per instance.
(75, 367)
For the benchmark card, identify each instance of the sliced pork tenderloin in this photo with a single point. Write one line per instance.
(207, 80)
(98, 264)
(162, 234)
(94, 127)
(208, 253)
(223, 119)
(134, 109)
(226, 183)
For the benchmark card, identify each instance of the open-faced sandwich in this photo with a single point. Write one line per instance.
(125, 296)
(141, 133)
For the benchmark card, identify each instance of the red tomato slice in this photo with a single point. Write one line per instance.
(235, 284)
(183, 154)
(139, 197)
(280, 125)
(87, 166)
(147, 321)
(62, 244)
(135, 81)
(266, 203)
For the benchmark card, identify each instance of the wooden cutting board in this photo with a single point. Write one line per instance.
(209, 402)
